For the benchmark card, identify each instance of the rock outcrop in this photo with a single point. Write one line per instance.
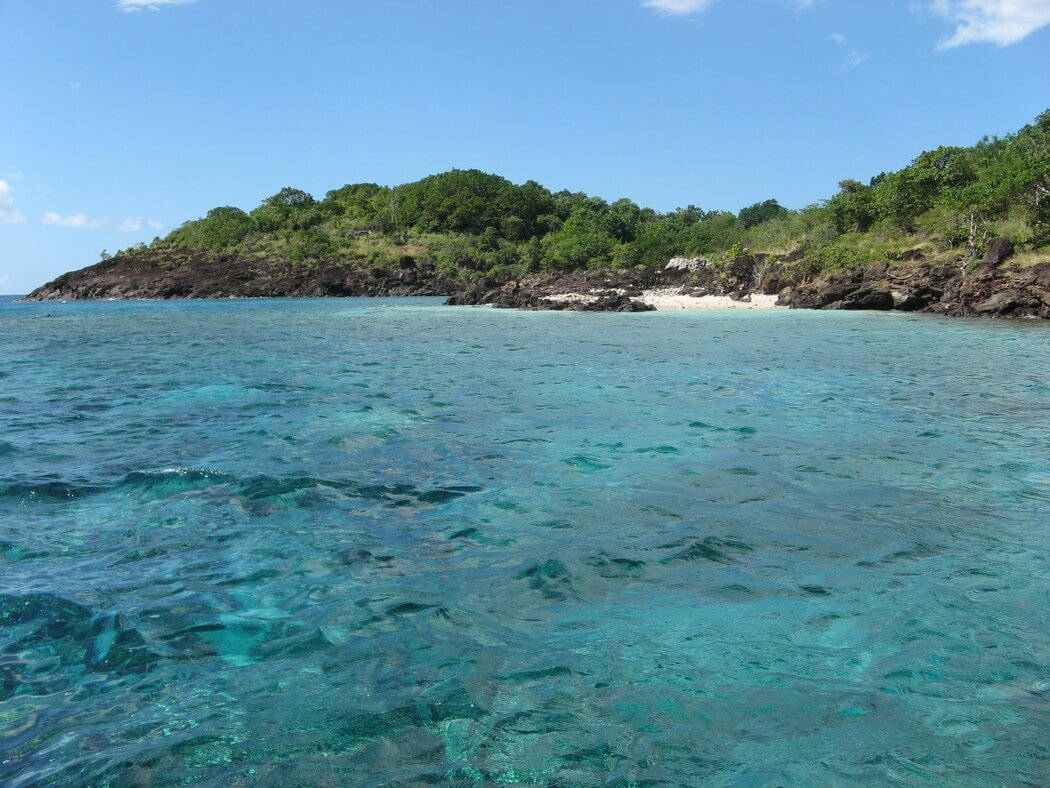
(690, 264)
(186, 273)
(581, 291)
(999, 250)
(988, 291)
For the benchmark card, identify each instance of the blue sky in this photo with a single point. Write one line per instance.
(124, 118)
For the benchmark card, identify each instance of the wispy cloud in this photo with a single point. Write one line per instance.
(678, 7)
(8, 214)
(853, 59)
(854, 56)
(690, 7)
(134, 224)
(131, 6)
(77, 221)
(1001, 22)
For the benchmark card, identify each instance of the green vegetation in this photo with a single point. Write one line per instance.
(945, 206)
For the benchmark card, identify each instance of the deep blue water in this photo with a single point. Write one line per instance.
(364, 542)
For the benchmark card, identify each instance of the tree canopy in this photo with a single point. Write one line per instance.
(950, 199)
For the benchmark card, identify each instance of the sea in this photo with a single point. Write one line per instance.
(389, 542)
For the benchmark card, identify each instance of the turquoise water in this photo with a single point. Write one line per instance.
(362, 542)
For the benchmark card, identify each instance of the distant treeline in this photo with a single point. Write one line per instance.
(947, 204)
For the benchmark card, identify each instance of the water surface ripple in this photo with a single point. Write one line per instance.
(364, 542)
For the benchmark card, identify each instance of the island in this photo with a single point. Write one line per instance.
(961, 231)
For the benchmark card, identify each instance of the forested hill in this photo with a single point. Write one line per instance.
(467, 225)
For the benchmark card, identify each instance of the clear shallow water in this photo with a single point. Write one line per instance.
(315, 542)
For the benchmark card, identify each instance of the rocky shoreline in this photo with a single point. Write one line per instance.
(186, 273)
(994, 288)
(988, 291)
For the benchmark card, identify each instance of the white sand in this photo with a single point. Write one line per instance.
(671, 300)
(571, 298)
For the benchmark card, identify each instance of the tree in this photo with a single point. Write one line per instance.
(288, 211)
(311, 244)
(853, 209)
(466, 201)
(716, 233)
(222, 227)
(760, 212)
(581, 242)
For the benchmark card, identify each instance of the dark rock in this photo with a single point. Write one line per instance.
(869, 299)
(998, 250)
(1039, 276)
(1002, 302)
(187, 273)
(942, 289)
(911, 300)
(615, 303)
(822, 294)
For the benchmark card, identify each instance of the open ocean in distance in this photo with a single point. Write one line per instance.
(388, 542)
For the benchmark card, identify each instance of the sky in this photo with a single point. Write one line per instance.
(121, 119)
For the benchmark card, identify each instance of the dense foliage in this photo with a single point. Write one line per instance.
(948, 203)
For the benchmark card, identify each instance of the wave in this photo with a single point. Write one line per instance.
(47, 492)
(172, 481)
(711, 548)
(42, 629)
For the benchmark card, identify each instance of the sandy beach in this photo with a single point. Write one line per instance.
(672, 300)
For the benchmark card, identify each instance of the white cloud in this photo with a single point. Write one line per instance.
(130, 6)
(77, 221)
(153, 224)
(678, 7)
(8, 214)
(74, 86)
(838, 38)
(1001, 22)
